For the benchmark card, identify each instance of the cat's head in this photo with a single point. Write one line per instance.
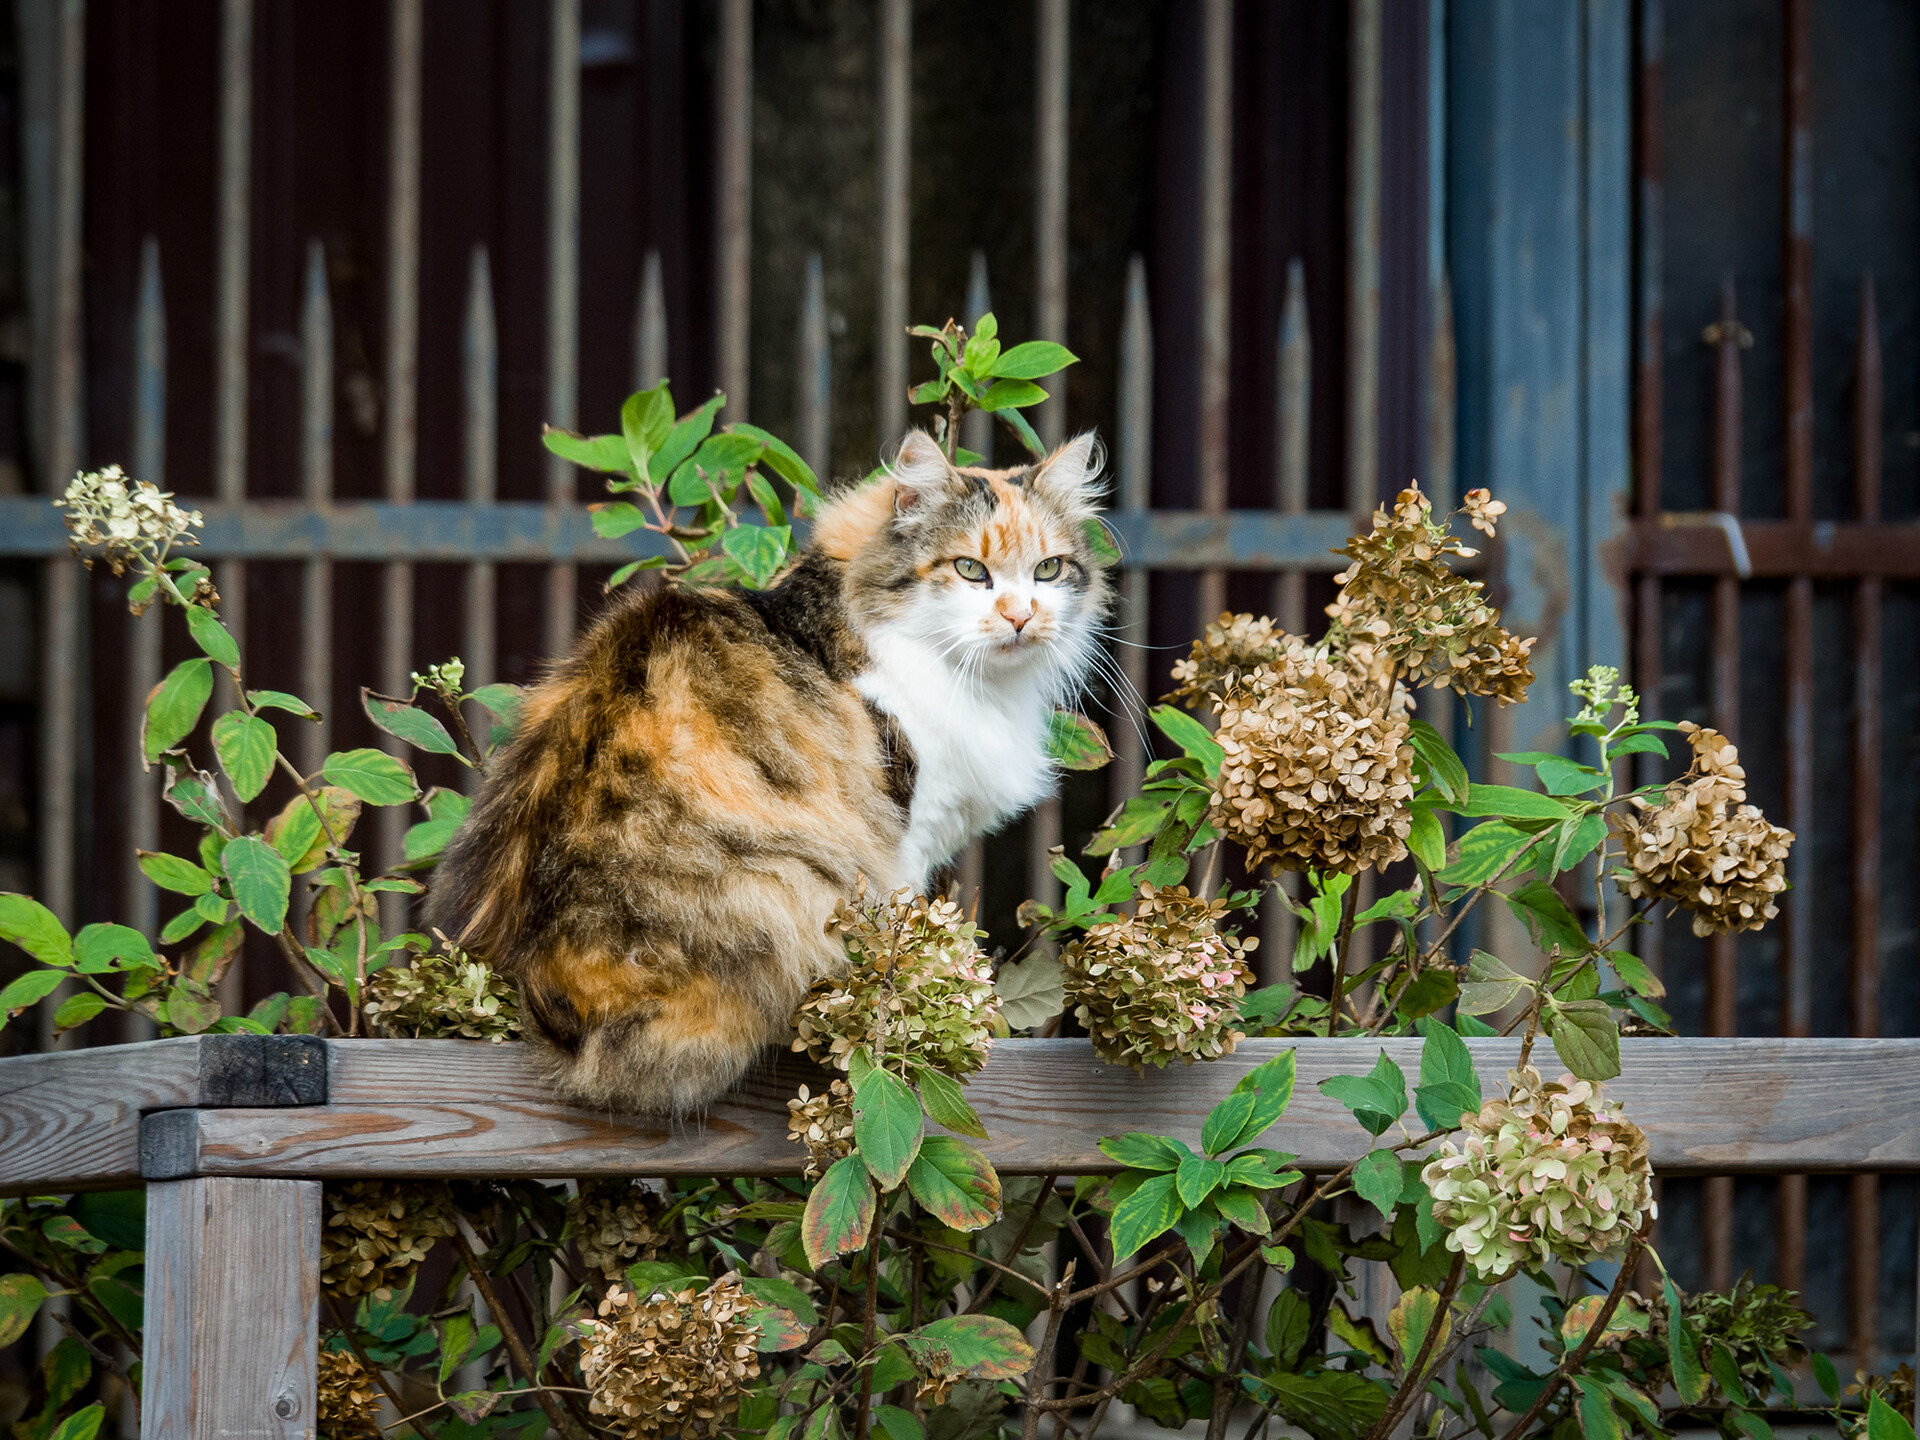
(993, 568)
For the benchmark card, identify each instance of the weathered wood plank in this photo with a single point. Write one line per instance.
(232, 1310)
(452, 1108)
(70, 1120)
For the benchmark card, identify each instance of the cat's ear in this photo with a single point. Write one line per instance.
(922, 475)
(1071, 474)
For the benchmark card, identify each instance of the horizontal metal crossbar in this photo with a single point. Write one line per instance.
(438, 530)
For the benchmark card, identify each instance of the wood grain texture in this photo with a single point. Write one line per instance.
(450, 1108)
(232, 1310)
(70, 1120)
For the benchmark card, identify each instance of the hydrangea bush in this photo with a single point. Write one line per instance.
(895, 1284)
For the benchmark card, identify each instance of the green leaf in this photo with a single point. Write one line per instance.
(983, 1346)
(946, 1104)
(192, 793)
(298, 834)
(1483, 852)
(20, 1297)
(33, 927)
(246, 745)
(408, 723)
(1017, 423)
(1261, 1169)
(1033, 360)
(955, 1183)
(1032, 991)
(1100, 541)
(615, 518)
(1635, 974)
(1444, 767)
(1220, 1131)
(1289, 1326)
(211, 636)
(1886, 1423)
(1726, 1373)
(1539, 907)
(1449, 1085)
(77, 1010)
(1139, 1151)
(1426, 838)
(1683, 1356)
(687, 435)
(1638, 745)
(718, 465)
(502, 701)
(1329, 1404)
(886, 1125)
(1586, 1038)
(605, 453)
(1578, 839)
(175, 705)
(899, 1424)
(1271, 1083)
(839, 1214)
(1075, 743)
(646, 419)
(1191, 736)
(85, 1424)
(1824, 1374)
(260, 879)
(170, 872)
(1377, 1180)
(281, 700)
(1598, 1419)
(1411, 1319)
(1427, 992)
(1197, 1178)
(98, 949)
(1490, 986)
(759, 551)
(1507, 803)
(29, 989)
(1149, 1212)
(373, 775)
(781, 458)
(1011, 395)
(1376, 1099)
(766, 498)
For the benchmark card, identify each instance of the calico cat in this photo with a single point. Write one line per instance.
(654, 855)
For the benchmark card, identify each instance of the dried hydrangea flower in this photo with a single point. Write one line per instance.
(377, 1232)
(1546, 1171)
(916, 985)
(1401, 594)
(446, 997)
(1700, 846)
(671, 1364)
(346, 1399)
(1233, 647)
(1162, 984)
(130, 521)
(1895, 1387)
(1482, 509)
(615, 1223)
(824, 1124)
(1317, 770)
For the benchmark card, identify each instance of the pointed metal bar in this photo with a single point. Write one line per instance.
(1051, 77)
(976, 430)
(649, 326)
(1363, 257)
(895, 201)
(1134, 457)
(316, 483)
(1216, 271)
(563, 289)
(813, 372)
(1293, 405)
(479, 364)
(733, 140)
(149, 457)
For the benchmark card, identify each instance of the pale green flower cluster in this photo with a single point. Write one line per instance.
(1548, 1171)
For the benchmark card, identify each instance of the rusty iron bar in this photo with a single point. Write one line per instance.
(976, 434)
(1051, 69)
(895, 203)
(563, 292)
(316, 484)
(1293, 418)
(1648, 420)
(1133, 453)
(1216, 272)
(733, 197)
(650, 325)
(480, 429)
(1363, 258)
(145, 633)
(813, 371)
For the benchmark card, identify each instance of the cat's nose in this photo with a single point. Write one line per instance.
(1018, 618)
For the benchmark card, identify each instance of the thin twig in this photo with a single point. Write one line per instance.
(1413, 1382)
(557, 1414)
(1348, 904)
(1033, 1216)
(379, 1375)
(1037, 1404)
(1579, 1357)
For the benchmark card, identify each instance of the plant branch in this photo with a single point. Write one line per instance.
(1020, 1240)
(557, 1414)
(1349, 903)
(378, 1373)
(1414, 1381)
(1059, 1301)
(1579, 1356)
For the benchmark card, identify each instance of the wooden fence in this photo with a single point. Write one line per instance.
(233, 1137)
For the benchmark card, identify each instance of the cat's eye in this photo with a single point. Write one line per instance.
(1047, 569)
(970, 568)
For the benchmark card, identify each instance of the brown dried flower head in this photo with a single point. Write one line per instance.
(673, 1363)
(346, 1399)
(378, 1232)
(916, 985)
(824, 1124)
(1702, 847)
(615, 1223)
(1894, 1386)
(1162, 984)
(447, 997)
(1401, 593)
(1317, 772)
(1546, 1171)
(1231, 649)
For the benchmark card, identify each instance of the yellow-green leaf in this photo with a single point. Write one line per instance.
(174, 707)
(839, 1214)
(245, 744)
(260, 879)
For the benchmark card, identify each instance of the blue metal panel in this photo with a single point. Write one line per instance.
(1539, 230)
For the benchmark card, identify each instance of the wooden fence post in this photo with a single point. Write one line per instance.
(232, 1309)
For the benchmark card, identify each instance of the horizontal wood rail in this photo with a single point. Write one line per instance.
(527, 532)
(268, 1108)
(1703, 544)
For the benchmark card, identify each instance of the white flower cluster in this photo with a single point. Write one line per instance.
(127, 518)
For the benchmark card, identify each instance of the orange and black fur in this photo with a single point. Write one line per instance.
(654, 855)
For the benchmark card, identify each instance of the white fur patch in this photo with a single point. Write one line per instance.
(980, 738)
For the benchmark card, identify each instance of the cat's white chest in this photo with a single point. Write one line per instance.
(981, 749)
